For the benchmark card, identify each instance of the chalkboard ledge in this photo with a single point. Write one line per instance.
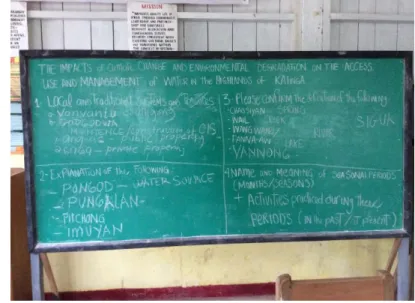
(130, 244)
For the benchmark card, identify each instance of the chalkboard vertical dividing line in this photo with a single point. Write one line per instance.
(223, 166)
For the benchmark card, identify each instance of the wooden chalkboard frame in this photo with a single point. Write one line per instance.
(35, 247)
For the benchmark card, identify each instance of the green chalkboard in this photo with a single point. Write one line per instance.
(154, 149)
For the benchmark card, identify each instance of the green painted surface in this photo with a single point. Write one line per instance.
(235, 147)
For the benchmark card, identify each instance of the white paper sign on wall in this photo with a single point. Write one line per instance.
(152, 27)
(18, 28)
